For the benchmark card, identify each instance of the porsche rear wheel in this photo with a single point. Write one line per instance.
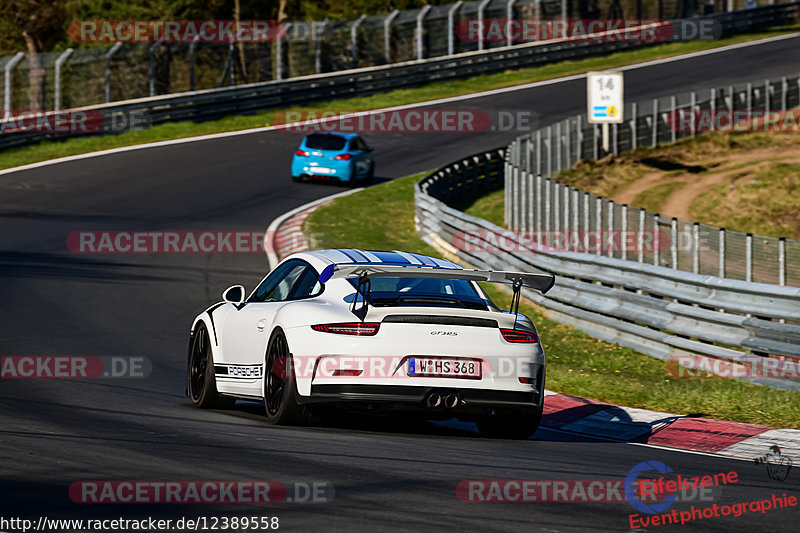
(280, 385)
(202, 385)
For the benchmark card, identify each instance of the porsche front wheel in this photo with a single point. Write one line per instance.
(202, 385)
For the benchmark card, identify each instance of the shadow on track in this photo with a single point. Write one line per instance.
(399, 424)
(608, 422)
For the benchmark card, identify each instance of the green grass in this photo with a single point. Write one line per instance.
(489, 207)
(652, 198)
(577, 363)
(605, 177)
(52, 150)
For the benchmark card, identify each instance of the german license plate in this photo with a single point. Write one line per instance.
(444, 367)
(321, 170)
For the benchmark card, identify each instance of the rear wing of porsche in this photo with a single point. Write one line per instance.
(363, 272)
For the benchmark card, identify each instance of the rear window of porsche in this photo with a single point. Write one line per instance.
(325, 142)
(434, 292)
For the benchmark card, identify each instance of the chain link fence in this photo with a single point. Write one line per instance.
(89, 76)
(537, 203)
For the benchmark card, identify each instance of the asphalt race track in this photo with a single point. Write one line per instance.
(383, 475)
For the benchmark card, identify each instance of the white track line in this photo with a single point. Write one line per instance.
(553, 81)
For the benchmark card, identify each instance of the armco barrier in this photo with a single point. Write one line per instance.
(656, 310)
(216, 103)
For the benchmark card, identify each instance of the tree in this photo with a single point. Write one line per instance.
(38, 23)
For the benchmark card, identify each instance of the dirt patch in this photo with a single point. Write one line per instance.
(647, 181)
(739, 166)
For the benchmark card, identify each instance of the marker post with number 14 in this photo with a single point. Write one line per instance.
(604, 100)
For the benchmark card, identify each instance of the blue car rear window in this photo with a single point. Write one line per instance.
(325, 142)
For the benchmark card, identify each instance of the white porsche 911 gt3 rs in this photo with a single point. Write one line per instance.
(376, 330)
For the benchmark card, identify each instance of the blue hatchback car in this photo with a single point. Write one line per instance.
(344, 157)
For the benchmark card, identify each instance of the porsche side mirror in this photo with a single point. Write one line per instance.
(234, 295)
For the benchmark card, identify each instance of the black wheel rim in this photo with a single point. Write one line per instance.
(276, 375)
(199, 365)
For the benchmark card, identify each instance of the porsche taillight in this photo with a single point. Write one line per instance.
(351, 372)
(362, 329)
(518, 336)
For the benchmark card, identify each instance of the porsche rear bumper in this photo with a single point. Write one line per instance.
(404, 397)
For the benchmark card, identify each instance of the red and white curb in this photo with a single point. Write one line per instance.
(734, 439)
(286, 231)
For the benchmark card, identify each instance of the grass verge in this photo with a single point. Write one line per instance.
(489, 207)
(53, 150)
(577, 363)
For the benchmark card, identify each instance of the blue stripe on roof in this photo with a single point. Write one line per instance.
(391, 257)
(408, 257)
(343, 256)
(427, 261)
(353, 255)
(334, 256)
(444, 263)
(370, 256)
(361, 254)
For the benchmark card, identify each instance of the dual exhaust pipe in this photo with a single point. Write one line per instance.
(436, 400)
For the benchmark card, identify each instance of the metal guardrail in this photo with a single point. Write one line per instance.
(656, 310)
(243, 99)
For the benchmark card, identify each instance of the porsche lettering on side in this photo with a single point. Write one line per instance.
(393, 331)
